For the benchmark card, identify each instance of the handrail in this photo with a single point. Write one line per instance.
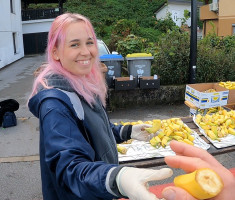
(36, 14)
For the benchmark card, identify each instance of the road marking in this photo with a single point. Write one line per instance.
(14, 159)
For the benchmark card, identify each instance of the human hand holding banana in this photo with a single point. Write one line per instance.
(190, 159)
(139, 132)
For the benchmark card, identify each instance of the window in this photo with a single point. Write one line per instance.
(12, 5)
(233, 30)
(14, 42)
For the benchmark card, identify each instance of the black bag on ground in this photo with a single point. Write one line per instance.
(8, 105)
(9, 120)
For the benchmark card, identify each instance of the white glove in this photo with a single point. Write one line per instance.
(132, 182)
(139, 133)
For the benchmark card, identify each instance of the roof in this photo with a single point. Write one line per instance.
(184, 1)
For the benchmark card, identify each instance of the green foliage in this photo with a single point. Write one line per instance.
(128, 26)
(171, 58)
(125, 27)
(216, 59)
(131, 44)
(43, 5)
(166, 24)
(152, 35)
(105, 14)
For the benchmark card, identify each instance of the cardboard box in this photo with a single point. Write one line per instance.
(148, 82)
(231, 96)
(124, 83)
(230, 106)
(195, 93)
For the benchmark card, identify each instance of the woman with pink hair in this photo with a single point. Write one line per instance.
(78, 152)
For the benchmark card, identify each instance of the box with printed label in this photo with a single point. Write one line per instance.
(206, 95)
(231, 95)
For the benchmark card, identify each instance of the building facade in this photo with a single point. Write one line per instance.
(219, 16)
(11, 40)
(176, 9)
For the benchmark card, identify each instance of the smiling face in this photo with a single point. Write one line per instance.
(79, 52)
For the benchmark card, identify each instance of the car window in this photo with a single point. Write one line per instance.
(103, 50)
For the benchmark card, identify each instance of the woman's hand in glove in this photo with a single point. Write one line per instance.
(132, 182)
(139, 133)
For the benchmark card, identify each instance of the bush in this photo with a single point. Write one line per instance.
(216, 59)
(150, 34)
(131, 44)
(171, 58)
(163, 25)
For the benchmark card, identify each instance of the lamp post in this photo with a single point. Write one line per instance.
(193, 43)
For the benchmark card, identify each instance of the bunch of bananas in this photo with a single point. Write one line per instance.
(210, 91)
(172, 129)
(134, 123)
(228, 84)
(209, 110)
(217, 125)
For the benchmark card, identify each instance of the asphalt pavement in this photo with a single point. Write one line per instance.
(19, 159)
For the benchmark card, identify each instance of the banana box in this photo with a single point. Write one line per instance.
(231, 97)
(198, 95)
(230, 106)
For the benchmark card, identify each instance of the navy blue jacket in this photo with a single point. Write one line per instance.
(73, 166)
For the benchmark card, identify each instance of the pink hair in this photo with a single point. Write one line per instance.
(89, 86)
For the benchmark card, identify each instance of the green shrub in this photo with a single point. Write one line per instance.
(171, 58)
(216, 59)
(152, 35)
(131, 44)
(163, 25)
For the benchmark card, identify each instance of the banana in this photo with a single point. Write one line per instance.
(156, 126)
(155, 141)
(231, 131)
(121, 149)
(164, 141)
(228, 84)
(211, 134)
(161, 135)
(202, 184)
(188, 141)
(176, 137)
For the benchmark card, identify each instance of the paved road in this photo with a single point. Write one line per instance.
(19, 165)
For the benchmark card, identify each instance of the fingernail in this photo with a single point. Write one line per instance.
(169, 194)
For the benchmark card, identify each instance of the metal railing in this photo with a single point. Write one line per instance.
(41, 14)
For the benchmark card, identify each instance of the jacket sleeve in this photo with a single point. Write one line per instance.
(121, 133)
(70, 157)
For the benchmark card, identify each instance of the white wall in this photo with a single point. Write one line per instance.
(36, 26)
(177, 13)
(10, 23)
